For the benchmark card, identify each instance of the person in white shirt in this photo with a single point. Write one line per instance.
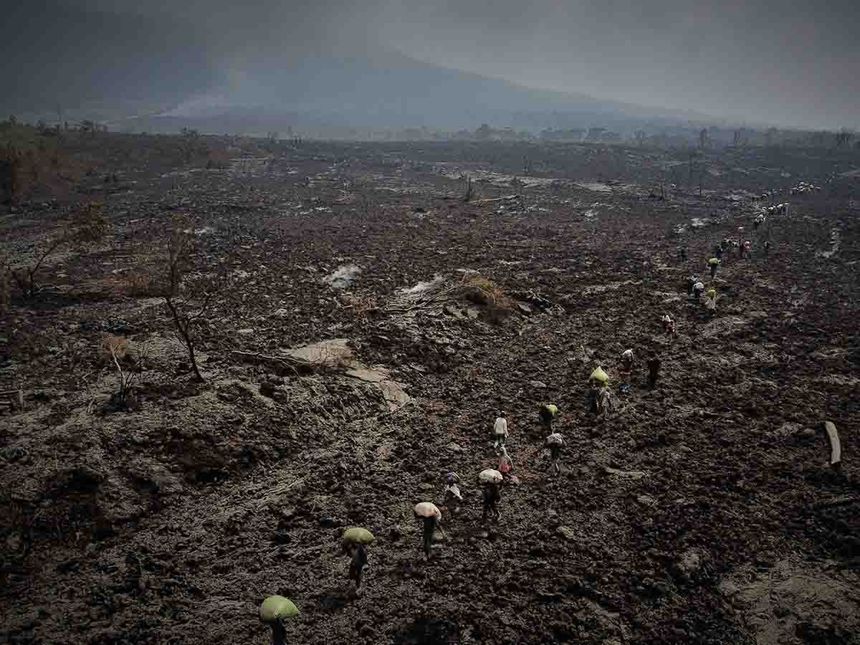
(554, 442)
(668, 324)
(453, 496)
(500, 432)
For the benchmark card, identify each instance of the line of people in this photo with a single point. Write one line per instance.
(355, 540)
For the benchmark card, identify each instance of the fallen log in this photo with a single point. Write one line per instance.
(506, 198)
(847, 500)
(632, 474)
(285, 363)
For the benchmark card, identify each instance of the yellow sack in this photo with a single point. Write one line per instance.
(599, 375)
(712, 293)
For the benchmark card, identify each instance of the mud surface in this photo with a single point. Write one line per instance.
(701, 511)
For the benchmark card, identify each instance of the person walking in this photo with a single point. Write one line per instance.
(604, 401)
(355, 541)
(554, 442)
(500, 432)
(691, 281)
(596, 382)
(653, 369)
(714, 264)
(492, 496)
(668, 324)
(626, 371)
(452, 497)
(430, 515)
(711, 302)
(548, 412)
(357, 564)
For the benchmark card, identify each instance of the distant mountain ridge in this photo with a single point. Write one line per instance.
(120, 67)
(390, 90)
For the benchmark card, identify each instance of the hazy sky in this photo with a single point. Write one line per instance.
(785, 61)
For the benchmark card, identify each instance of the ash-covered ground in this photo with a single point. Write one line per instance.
(701, 511)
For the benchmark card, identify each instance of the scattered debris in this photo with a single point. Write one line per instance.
(835, 445)
(343, 276)
(629, 474)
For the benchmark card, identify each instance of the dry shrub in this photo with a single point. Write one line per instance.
(114, 348)
(31, 163)
(485, 292)
(132, 284)
(89, 225)
(141, 285)
(217, 159)
(361, 306)
(86, 228)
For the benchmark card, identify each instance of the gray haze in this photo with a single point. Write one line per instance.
(784, 62)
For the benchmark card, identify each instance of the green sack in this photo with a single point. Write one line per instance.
(277, 607)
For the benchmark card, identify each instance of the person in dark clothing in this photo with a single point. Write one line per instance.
(430, 524)
(653, 369)
(453, 496)
(766, 248)
(358, 563)
(714, 264)
(548, 412)
(691, 280)
(492, 497)
(591, 399)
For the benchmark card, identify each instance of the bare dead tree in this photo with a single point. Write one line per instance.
(5, 285)
(363, 191)
(87, 226)
(89, 127)
(843, 138)
(11, 174)
(189, 144)
(185, 316)
(469, 190)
